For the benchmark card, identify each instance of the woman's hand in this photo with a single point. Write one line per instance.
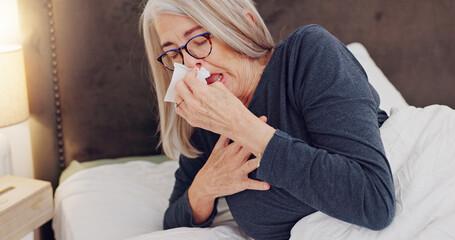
(212, 107)
(225, 173)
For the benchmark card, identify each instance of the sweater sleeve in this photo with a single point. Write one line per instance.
(342, 170)
(179, 212)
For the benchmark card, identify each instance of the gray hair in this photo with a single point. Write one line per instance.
(224, 19)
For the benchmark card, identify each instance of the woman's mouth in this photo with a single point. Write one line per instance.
(214, 78)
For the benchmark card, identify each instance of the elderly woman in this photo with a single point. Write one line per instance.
(281, 131)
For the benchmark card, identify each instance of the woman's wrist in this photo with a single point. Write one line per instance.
(201, 204)
(253, 134)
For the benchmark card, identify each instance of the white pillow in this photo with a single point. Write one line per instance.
(389, 95)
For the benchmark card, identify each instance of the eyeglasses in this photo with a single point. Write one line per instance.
(199, 47)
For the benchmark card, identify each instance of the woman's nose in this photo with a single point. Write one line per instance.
(190, 61)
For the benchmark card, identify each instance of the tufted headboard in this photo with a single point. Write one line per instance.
(88, 81)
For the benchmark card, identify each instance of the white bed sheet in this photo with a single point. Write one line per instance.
(113, 201)
(128, 200)
(420, 146)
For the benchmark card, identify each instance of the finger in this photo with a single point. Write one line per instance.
(244, 154)
(222, 142)
(250, 165)
(177, 99)
(183, 91)
(179, 110)
(233, 148)
(263, 118)
(255, 185)
(219, 86)
(191, 80)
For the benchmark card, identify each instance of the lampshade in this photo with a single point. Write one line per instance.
(13, 88)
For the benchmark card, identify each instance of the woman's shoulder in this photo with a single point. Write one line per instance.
(307, 30)
(310, 35)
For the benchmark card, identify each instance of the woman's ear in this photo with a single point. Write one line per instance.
(249, 16)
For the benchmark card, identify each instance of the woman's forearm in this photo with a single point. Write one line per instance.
(180, 213)
(360, 182)
(201, 206)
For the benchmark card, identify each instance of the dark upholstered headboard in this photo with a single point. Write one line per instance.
(87, 80)
(87, 72)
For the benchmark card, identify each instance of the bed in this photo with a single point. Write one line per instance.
(90, 101)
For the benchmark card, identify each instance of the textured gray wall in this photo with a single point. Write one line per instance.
(413, 42)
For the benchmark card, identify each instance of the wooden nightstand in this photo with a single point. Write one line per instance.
(25, 204)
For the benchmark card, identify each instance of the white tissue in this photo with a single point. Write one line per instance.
(180, 71)
(202, 74)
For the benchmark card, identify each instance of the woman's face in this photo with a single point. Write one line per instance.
(224, 64)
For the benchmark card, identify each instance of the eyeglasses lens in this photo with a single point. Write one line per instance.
(198, 47)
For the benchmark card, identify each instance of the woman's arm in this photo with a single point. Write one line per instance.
(356, 188)
(179, 212)
(342, 170)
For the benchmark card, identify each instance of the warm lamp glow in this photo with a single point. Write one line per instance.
(13, 88)
(9, 22)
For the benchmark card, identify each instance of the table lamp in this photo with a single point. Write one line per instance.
(13, 98)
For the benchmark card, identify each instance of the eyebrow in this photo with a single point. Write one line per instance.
(186, 34)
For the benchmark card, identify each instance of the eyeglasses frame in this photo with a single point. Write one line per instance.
(179, 50)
